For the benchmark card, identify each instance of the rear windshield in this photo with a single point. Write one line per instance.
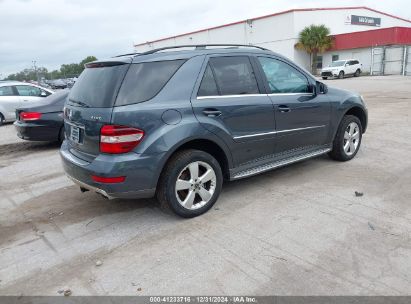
(98, 87)
(145, 80)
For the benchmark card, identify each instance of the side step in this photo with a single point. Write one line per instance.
(279, 163)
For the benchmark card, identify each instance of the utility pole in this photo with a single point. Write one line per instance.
(35, 71)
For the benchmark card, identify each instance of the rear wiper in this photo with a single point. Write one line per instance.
(80, 103)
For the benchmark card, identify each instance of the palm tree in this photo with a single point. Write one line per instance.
(314, 39)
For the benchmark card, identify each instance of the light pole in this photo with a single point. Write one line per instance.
(35, 71)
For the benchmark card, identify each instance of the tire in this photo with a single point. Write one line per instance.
(341, 75)
(325, 78)
(177, 168)
(357, 73)
(339, 151)
(2, 120)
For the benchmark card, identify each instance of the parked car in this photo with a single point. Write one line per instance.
(342, 68)
(176, 123)
(14, 94)
(43, 120)
(58, 84)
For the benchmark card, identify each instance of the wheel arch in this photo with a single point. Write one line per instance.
(220, 153)
(360, 114)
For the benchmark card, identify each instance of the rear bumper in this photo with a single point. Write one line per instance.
(37, 132)
(141, 173)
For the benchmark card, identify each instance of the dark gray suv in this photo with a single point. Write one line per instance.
(176, 122)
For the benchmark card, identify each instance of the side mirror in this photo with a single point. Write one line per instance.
(321, 88)
(347, 64)
(312, 89)
(43, 94)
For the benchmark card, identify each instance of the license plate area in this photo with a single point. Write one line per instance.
(75, 134)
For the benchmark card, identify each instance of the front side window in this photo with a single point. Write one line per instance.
(25, 90)
(283, 78)
(6, 91)
(234, 75)
(145, 80)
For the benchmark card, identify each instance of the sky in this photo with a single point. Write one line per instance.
(54, 32)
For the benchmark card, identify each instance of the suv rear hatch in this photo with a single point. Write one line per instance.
(90, 105)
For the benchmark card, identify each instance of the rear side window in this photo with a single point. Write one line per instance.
(234, 75)
(97, 87)
(208, 86)
(145, 80)
(6, 91)
(25, 90)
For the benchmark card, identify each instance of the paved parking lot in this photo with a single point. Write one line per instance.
(298, 230)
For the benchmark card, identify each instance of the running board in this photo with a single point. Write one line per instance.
(278, 163)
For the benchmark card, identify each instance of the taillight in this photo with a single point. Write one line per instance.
(29, 116)
(119, 139)
(108, 180)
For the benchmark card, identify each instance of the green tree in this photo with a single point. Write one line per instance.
(314, 39)
(65, 71)
(87, 60)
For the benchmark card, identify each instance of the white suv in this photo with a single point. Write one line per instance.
(341, 68)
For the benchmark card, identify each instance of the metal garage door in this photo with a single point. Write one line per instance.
(377, 61)
(408, 62)
(391, 60)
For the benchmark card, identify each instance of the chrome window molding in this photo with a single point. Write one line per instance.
(291, 94)
(230, 96)
(253, 95)
(277, 132)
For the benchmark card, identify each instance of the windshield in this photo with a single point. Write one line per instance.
(337, 63)
(98, 87)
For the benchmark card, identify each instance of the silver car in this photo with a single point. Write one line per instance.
(14, 94)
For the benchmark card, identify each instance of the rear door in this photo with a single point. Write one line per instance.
(302, 118)
(89, 106)
(351, 67)
(230, 103)
(28, 94)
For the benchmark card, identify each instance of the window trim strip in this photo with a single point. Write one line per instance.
(254, 95)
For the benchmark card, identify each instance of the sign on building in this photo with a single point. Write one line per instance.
(363, 20)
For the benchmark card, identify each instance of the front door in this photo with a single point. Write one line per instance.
(302, 117)
(230, 103)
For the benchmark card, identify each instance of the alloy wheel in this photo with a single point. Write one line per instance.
(351, 138)
(195, 185)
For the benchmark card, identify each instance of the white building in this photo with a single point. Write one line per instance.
(357, 31)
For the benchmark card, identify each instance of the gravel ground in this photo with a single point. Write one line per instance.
(299, 230)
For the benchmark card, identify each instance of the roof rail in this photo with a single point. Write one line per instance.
(202, 47)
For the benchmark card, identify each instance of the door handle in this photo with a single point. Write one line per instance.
(283, 109)
(212, 112)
